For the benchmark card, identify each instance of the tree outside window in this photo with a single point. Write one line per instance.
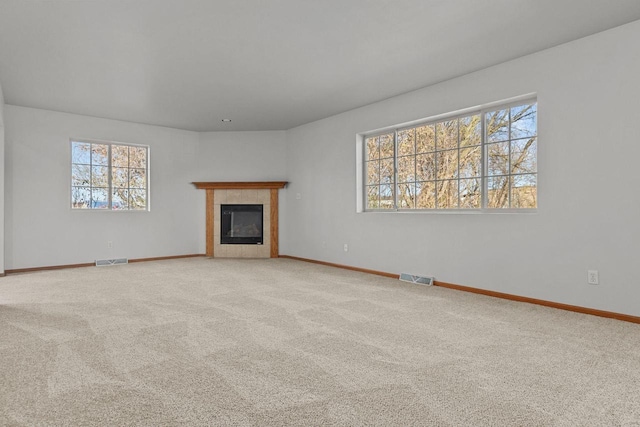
(483, 160)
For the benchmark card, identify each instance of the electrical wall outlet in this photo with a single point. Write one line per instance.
(110, 244)
(592, 277)
(346, 247)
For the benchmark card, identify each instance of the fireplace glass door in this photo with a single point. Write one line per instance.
(241, 224)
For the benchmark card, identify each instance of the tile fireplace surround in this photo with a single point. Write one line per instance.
(222, 193)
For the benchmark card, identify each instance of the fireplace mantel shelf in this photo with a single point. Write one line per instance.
(240, 185)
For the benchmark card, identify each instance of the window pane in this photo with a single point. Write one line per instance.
(524, 155)
(120, 199)
(137, 199)
(373, 197)
(386, 197)
(373, 151)
(425, 139)
(80, 197)
(386, 171)
(99, 176)
(120, 156)
(470, 162)
(426, 195)
(138, 178)
(447, 134)
(81, 175)
(406, 196)
(497, 125)
(447, 164)
(373, 172)
(426, 167)
(99, 154)
(81, 152)
(407, 169)
(447, 194)
(524, 121)
(498, 158)
(470, 193)
(524, 191)
(406, 142)
(137, 157)
(498, 192)
(99, 198)
(470, 131)
(386, 146)
(120, 177)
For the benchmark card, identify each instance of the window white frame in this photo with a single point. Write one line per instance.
(485, 176)
(92, 192)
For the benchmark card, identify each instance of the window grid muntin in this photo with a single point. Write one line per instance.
(483, 166)
(110, 189)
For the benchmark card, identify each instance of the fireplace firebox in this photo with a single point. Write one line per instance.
(241, 224)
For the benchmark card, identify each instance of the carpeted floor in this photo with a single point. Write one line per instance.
(281, 342)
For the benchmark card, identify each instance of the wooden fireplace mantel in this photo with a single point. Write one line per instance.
(210, 188)
(260, 185)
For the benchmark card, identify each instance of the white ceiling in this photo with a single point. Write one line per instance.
(267, 65)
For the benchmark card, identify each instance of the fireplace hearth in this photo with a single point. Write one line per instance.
(241, 224)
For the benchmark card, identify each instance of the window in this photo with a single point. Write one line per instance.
(482, 160)
(109, 176)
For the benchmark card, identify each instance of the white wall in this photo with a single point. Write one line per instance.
(242, 156)
(589, 146)
(42, 229)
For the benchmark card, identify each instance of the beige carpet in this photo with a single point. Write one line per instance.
(281, 342)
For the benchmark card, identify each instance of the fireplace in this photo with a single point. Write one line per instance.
(241, 224)
(227, 193)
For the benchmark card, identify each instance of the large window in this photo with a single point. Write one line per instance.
(109, 176)
(481, 160)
